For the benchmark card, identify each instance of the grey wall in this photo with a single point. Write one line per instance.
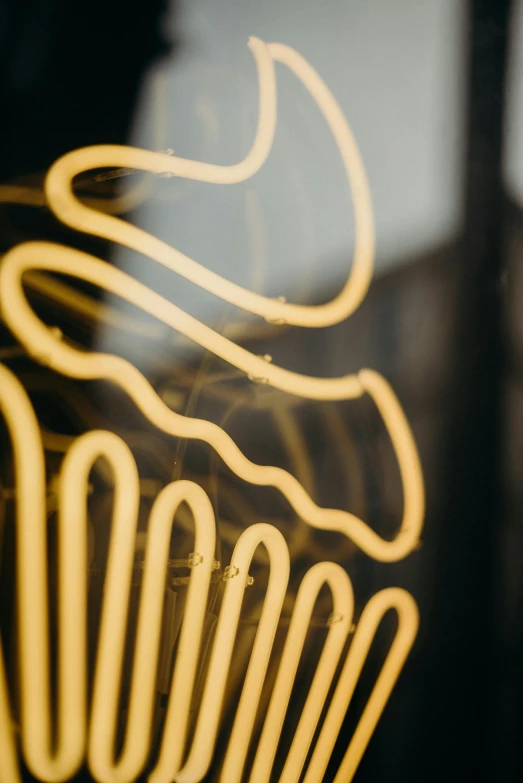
(395, 67)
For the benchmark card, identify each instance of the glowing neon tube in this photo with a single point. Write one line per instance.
(71, 716)
(44, 345)
(75, 734)
(67, 207)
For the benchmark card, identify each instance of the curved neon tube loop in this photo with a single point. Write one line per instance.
(32, 597)
(46, 348)
(56, 258)
(66, 206)
(71, 712)
(343, 608)
(113, 625)
(40, 343)
(59, 764)
(408, 622)
(201, 751)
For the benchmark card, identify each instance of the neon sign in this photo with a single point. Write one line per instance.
(80, 736)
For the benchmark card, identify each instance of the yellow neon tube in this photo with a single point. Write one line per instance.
(36, 717)
(113, 628)
(48, 348)
(200, 755)
(65, 205)
(343, 607)
(408, 621)
(32, 596)
(43, 345)
(52, 257)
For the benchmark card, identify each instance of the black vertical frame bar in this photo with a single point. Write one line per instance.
(462, 692)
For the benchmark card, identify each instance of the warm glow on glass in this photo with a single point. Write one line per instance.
(94, 738)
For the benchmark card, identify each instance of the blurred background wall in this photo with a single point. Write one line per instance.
(433, 92)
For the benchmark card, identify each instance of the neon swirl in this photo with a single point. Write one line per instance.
(66, 206)
(43, 344)
(93, 736)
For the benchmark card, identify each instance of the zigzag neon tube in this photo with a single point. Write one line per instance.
(76, 736)
(36, 723)
(43, 344)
